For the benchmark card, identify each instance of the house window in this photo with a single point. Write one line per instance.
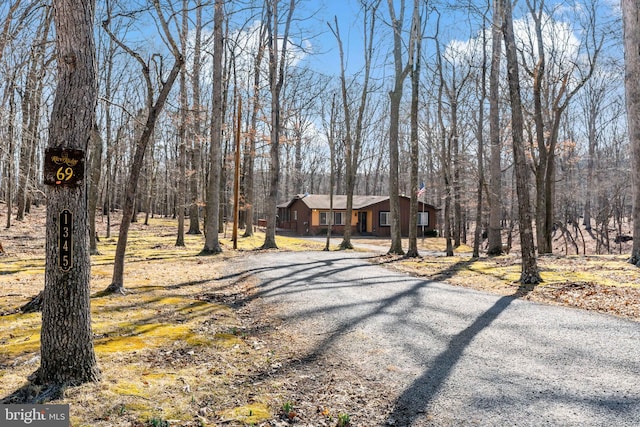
(338, 218)
(324, 218)
(385, 219)
(295, 215)
(423, 219)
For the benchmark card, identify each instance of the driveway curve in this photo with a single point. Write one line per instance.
(456, 356)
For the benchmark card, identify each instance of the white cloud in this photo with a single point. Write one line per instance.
(242, 46)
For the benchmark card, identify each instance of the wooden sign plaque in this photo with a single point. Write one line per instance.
(63, 167)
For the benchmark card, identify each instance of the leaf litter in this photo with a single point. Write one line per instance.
(191, 346)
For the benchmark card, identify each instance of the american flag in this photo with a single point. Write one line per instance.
(422, 190)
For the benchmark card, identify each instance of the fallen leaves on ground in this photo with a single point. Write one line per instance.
(603, 283)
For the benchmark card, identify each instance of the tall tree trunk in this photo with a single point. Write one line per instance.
(31, 104)
(395, 98)
(67, 354)
(480, 139)
(212, 214)
(445, 155)
(154, 109)
(495, 187)
(196, 134)
(95, 170)
(277, 66)
(351, 165)
(11, 149)
(416, 37)
(631, 20)
(332, 162)
(530, 273)
(455, 159)
(592, 115)
(182, 132)
(250, 154)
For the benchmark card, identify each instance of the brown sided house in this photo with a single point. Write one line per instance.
(308, 215)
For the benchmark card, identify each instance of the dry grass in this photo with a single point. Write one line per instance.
(178, 347)
(188, 344)
(603, 283)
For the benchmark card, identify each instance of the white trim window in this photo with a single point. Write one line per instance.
(423, 219)
(324, 218)
(385, 219)
(338, 218)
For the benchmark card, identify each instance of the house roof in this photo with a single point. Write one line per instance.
(322, 201)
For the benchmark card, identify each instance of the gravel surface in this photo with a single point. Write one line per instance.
(427, 353)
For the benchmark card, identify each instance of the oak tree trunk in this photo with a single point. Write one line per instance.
(631, 20)
(67, 353)
(212, 210)
(529, 273)
(495, 187)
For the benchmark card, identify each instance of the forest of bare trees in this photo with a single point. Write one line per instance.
(403, 92)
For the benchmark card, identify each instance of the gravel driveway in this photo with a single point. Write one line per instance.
(453, 356)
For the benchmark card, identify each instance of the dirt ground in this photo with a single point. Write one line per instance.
(199, 349)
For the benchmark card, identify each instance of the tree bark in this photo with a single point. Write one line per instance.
(250, 152)
(67, 353)
(11, 148)
(480, 139)
(95, 170)
(445, 155)
(212, 213)
(395, 97)
(182, 132)
(530, 273)
(196, 134)
(277, 65)
(31, 105)
(154, 109)
(631, 21)
(416, 37)
(351, 165)
(495, 187)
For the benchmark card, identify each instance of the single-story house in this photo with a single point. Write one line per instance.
(309, 215)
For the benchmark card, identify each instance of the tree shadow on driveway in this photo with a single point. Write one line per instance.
(414, 400)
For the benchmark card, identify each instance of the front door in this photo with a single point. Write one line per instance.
(362, 222)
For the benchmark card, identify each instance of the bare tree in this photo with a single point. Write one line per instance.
(67, 354)
(95, 170)
(212, 212)
(480, 138)
(395, 97)
(10, 93)
(31, 110)
(353, 137)
(277, 65)
(196, 134)
(530, 273)
(154, 107)
(331, 137)
(495, 186)
(416, 29)
(631, 21)
(182, 130)
(445, 153)
(552, 94)
(250, 144)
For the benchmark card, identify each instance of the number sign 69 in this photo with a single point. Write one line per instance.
(64, 174)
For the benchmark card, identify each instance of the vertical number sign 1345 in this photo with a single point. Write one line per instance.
(65, 241)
